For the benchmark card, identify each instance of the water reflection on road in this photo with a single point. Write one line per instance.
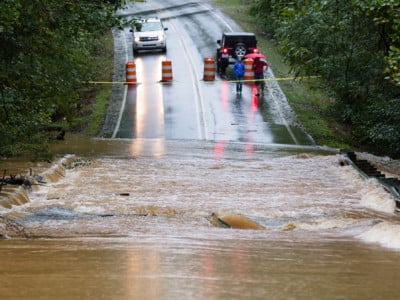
(179, 268)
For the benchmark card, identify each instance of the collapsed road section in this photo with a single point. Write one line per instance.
(367, 170)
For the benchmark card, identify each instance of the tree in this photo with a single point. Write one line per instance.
(354, 47)
(46, 55)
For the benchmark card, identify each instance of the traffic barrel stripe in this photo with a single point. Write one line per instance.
(248, 69)
(166, 70)
(209, 69)
(130, 72)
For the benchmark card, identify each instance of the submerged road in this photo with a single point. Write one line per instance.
(190, 108)
(133, 217)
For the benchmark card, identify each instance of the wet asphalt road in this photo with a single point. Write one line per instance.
(190, 108)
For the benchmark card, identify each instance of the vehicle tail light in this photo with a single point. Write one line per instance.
(224, 50)
(255, 50)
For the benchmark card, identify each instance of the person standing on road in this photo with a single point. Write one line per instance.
(259, 67)
(238, 69)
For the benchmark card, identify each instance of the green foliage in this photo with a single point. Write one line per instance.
(94, 119)
(355, 47)
(48, 50)
(385, 13)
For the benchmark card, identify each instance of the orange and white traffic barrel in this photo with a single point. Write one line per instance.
(130, 72)
(248, 69)
(166, 71)
(209, 69)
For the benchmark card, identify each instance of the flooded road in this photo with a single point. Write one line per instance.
(208, 269)
(132, 225)
(162, 209)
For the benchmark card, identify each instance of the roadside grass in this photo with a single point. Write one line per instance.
(100, 93)
(306, 96)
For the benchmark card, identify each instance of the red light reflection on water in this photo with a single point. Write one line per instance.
(254, 102)
(219, 150)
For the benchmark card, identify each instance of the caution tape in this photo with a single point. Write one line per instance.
(274, 79)
(185, 82)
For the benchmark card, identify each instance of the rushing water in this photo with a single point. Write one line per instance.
(137, 225)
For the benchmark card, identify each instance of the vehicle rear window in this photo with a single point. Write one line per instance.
(245, 39)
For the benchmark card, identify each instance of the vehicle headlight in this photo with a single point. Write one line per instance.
(137, 39)
(161, 37)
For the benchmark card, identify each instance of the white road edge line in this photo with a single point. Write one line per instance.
(283, 118)
(218, 16)
(121, 111)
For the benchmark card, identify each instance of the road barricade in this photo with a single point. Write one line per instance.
(130, 72)
(248, 69)
(209, 69)
(166, 71)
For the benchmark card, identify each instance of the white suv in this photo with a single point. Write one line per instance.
(149, 34)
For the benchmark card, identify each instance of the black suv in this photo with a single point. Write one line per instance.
(232, 45)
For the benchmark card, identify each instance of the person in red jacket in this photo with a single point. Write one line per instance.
(259, 67)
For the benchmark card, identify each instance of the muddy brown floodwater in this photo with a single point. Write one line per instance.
(132, 219)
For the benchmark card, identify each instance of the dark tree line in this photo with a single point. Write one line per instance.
(354, 45)
(47, 53)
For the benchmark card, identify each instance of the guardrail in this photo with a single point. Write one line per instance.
(367, 170)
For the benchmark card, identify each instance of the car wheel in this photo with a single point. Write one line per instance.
(164, 50)
(240, 50)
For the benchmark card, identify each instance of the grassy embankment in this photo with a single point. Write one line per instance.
(99, 94)
(306, 97)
